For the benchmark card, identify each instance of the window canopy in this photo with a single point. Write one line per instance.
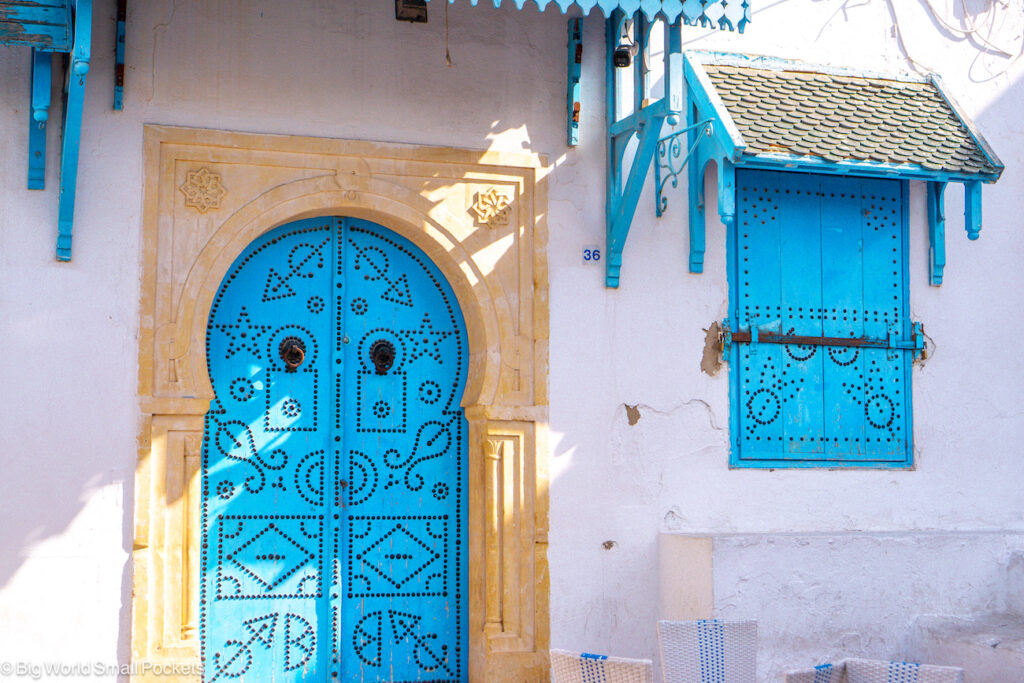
(758, 112)
(725, 14)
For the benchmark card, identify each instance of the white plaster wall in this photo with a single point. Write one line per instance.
(345, 68)
(641, 345)
(825, 596)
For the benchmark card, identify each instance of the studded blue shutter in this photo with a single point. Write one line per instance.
(820, 256)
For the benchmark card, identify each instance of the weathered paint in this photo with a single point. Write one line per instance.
(43, 24)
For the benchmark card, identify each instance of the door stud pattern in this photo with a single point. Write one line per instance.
(333, 539)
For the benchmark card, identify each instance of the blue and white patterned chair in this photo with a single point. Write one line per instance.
(874, 671)
(708, 651)
(583, 667)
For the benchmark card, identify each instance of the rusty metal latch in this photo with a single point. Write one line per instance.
(292, 351)
(893, 342)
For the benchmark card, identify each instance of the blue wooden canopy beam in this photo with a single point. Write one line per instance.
(50, 26)
(625, 185)
(72, 133)
(972, 209)
(721, 143)
(645, 124)
(936, 200)
(42, 24)
(39, 113)
(122, 12)
(936, 231)
(623, 199)
(575, 71)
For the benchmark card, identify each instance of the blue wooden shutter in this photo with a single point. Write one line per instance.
(820, 256)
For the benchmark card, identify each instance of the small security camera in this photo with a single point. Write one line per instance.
(622, 57)
(625, 47)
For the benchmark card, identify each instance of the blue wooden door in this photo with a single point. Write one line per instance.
(820, 256)
(333, 521)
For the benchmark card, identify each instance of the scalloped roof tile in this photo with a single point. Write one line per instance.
(847, 118)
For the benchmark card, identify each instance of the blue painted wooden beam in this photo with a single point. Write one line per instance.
(674, 85)
(972, 209)
(122, 12)
(624, 203)
(936, 231)
(42, 63)
(75, 94)
(871, 169)
(695, 174)
(726, 183)
(717, 145)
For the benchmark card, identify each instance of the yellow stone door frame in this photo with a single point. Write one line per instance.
(481, 217)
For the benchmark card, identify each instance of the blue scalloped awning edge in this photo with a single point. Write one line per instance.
(732, 15)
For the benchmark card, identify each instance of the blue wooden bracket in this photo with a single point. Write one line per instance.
(726, 201)
(75, 95)
(972, 209)
(675, 86)
(50, 26)
(622, 199)
(575, 69)
(646, 123)
(42, 63)
(122, 13)
(936, 230)
(937, 222)
(720, 142)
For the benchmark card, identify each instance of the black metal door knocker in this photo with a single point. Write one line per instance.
(293, 352)
(382, 353)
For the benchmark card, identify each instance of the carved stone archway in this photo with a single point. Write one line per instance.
(480, 216)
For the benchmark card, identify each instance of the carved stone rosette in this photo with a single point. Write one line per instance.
(203, 190)
(492, 208)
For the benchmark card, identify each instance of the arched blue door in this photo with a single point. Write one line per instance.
(334, 485)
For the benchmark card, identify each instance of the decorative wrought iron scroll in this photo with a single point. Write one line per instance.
(671, 162)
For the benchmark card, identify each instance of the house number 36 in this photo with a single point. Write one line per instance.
(591, 254)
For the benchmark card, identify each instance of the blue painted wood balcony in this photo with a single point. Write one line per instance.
(48, 27)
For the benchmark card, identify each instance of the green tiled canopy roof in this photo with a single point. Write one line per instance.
(847, 118)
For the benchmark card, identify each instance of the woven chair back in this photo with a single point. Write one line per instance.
(583, 667)
(708, 651)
